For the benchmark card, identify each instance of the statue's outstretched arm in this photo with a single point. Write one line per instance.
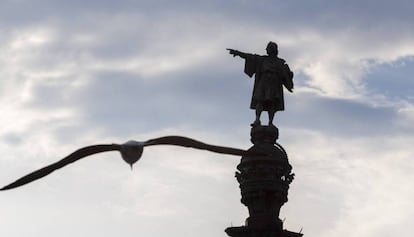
(237, 53)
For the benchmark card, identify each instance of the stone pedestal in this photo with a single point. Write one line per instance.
(264, 183)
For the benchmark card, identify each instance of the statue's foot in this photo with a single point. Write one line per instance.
(255, 123)
(271, 125)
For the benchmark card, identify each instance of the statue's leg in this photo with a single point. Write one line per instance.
(272, 111)
(259, 110)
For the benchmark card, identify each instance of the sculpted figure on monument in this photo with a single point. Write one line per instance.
(271, 74)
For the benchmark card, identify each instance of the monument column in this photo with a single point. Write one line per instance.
(264, 183)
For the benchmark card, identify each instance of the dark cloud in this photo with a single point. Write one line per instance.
(317, 13)
(124, 103)
(338, 117)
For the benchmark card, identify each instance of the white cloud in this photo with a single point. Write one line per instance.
(369, 179)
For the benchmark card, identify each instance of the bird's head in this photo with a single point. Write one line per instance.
(131, 151)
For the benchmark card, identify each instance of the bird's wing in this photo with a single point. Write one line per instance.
(188, 142)
(77, 155)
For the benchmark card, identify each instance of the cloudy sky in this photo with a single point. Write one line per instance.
(76, 73)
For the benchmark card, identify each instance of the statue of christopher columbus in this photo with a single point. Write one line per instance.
(271, 74)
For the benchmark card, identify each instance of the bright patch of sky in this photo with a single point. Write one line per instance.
(393, 80)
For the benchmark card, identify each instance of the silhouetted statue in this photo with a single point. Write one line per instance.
(271, 72)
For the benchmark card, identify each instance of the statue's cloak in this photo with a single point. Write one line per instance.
(270, 75)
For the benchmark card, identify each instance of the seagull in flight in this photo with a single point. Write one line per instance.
(131, 152)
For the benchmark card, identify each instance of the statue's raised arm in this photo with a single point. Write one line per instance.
(237, 53)
(271, 74)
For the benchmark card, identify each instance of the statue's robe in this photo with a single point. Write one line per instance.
(270, 75)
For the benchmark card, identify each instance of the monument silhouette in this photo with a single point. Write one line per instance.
(264, 180)
(264, 173)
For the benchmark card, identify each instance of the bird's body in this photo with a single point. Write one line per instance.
(131, 152)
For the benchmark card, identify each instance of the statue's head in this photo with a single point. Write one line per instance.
(271, 49)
